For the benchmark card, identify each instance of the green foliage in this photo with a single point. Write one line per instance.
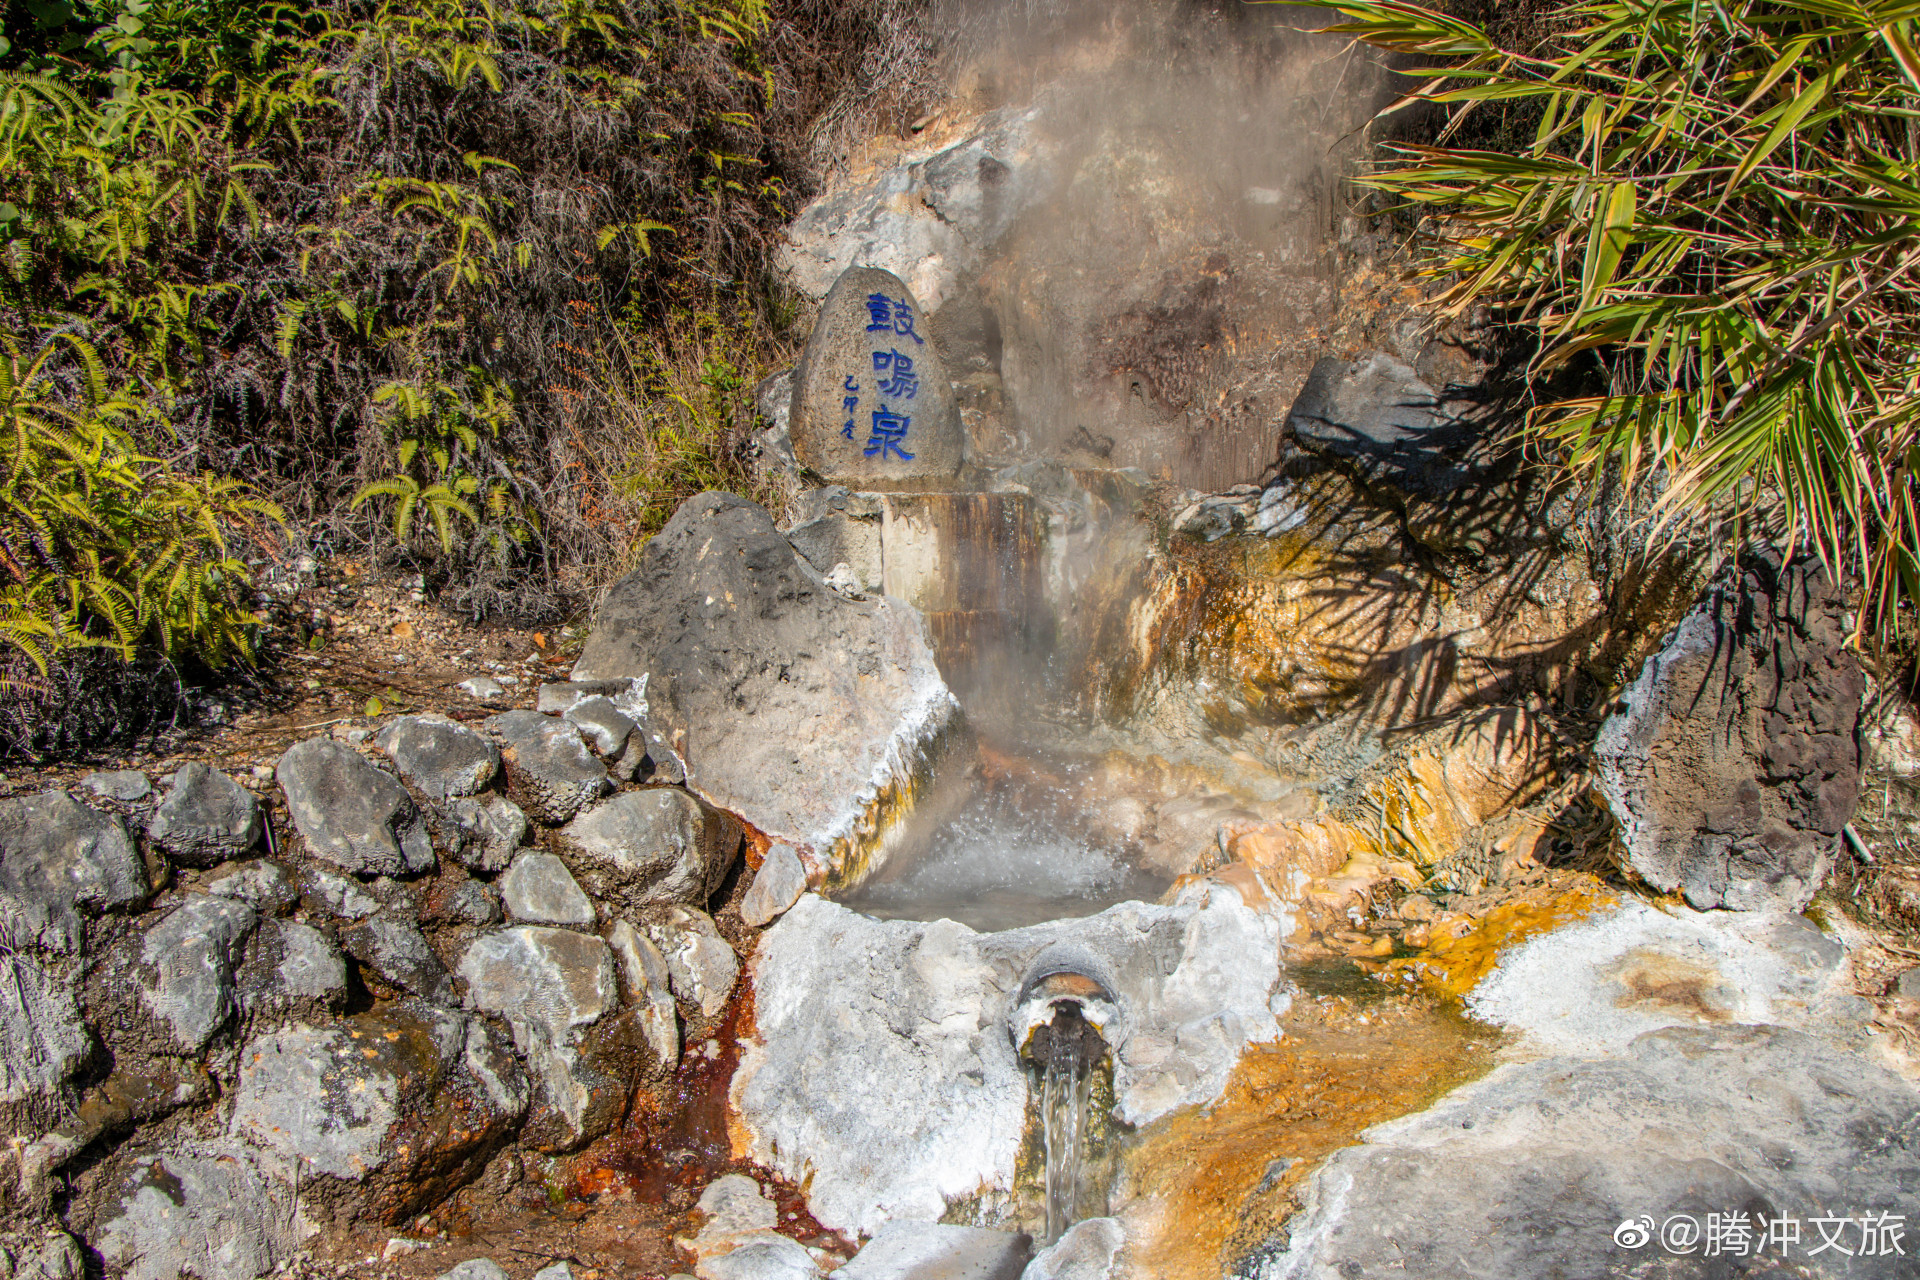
(1719, 210)
(101, 546)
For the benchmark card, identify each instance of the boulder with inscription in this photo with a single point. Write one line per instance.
(871, 400)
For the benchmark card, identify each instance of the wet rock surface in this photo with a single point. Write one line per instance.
(1532, 1169)
(1734, 764)
(749, 654)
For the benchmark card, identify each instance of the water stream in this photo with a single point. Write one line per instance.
(1066, 1093)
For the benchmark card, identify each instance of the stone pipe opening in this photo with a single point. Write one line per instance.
(1060, 1027)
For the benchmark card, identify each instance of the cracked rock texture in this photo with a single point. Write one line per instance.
(1734, 764)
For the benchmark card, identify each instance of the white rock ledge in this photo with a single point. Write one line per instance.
(881, 1075)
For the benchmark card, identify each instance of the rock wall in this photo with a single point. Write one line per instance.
(242, 1013)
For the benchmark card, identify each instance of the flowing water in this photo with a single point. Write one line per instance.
(1066, 1093)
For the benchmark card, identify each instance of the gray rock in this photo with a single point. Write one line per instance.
(396, 950)
(1908, 986)
(442, 757)
(903, 1250)
(56, 857)
(644, 847)
(56, 1256)
(765, 1256)
(124, 785)
(486, 832)
(753, 658)
(930, 222)
(555, 989)
(551, 767)
(776, 886)
(291, 971)
(187, 963)
(558, 1271)
(1530, 1170)
(352, 814)
(538, 889)
(1735, 765)
(557, 697)
(581, 1091)
(1214, 517)
(1089, 1250)
(337, 894)
(476, 1269)
(206, 818)
(649, 989)
(700, 964)
(842, 538)
(605, 727)
(1378, 417)
(549, 982)
(402, 1104)
(212, 1212)
(735, 1203)
(42, 1040)
(482, 688)
(871, 399)
(736, 1238)
(262, 885)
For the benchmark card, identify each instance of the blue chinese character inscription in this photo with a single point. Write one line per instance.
(904, 383)
(891, 314)
(851, 403)
(889, 429)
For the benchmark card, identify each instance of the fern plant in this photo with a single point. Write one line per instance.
(103, 546)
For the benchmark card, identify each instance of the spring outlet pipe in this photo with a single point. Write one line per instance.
(1062, 1024)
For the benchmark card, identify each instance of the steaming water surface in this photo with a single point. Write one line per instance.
(1010, 853)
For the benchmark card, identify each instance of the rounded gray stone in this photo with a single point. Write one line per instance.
(554, 981)
(643, 847)
(538, 889)
(871, 400)
(125, 785)
(350, 813)
(187, 965)
(440, 756)
(557, 774)
(56, 856)
(776, 886)
(206, 818)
